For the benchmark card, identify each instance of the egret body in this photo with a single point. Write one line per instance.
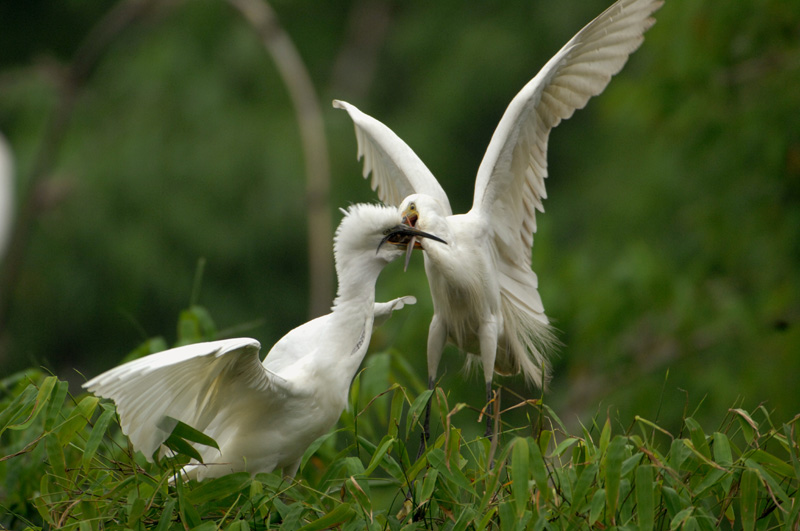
(485, 295)
(264, 415)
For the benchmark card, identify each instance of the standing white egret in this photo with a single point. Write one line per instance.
(485, 295)
(264, 415)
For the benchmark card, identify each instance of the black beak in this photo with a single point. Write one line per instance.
(405, 235)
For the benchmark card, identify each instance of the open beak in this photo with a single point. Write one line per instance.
(408, 236)
(410, 217)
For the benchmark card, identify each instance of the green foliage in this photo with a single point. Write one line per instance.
(65, 464)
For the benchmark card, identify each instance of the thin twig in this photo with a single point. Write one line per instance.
(315, 148)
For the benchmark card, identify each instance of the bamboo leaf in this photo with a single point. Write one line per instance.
(56, 403)
(614, 458)
(645, 499)
(188, 433)
(17, 407)
(339, 515)
(166, 515)
(585, 481)
(77, 419)
(598, 502)
(519, 474)
(722, 449)
(539, 471)
(748, 488)
(416, 411)
(96, 436)
(377, 457)
(698, 437)
(396, 410)
(42, 398)
(219, 488)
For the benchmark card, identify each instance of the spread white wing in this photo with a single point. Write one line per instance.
(192, 384)
(397, 171)
(510, 183)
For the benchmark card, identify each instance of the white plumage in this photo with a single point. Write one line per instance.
(264, 415)
(485, 295)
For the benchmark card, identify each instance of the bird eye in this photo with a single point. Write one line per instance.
(387, 231)
(412, 206)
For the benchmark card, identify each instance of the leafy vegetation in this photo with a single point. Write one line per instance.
(669, 247)
(65, 464)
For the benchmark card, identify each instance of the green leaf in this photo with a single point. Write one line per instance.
(195, 325)
(428, 484)
(340, 514)
(585, 481)
(563, 446)
(698, 437)
(21, 403)
(681, 518)
(42, 398)
(56, 404)
(605, 436)
(614, 458)
(775, 487)
(219, 488)
(645, 499)
(436, 458)
(96, 436)
(166, 515)
(539, 471)
(77, 419)
(777, 465)
(314, 446)
(377, 457)
(181, 435)
(598, 502)
(672, 501)
(417, 410)
(55, 453)
(519, 474)
(135, 511)
(748, 488)
(396, 410)
(722, 449)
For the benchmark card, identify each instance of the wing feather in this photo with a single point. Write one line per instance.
(397, 171)
(509, 188)
(192, 384)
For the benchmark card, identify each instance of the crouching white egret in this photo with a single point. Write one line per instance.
(485, 295)
(264, 415)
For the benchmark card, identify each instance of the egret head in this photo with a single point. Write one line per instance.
(425, 213)
(422, 212)
(377, 230)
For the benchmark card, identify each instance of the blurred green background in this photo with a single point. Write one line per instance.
(668, 258)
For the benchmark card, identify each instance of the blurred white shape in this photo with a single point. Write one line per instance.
(6, 194)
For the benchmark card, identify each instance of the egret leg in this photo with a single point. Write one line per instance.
(437, 337)
(488, 341)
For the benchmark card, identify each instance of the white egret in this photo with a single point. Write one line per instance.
(485, 295)
(264, 415)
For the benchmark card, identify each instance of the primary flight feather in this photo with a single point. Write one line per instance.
(485, 295)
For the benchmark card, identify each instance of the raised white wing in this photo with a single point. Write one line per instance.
(190, 384)
(510, 183)
(397, 171)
